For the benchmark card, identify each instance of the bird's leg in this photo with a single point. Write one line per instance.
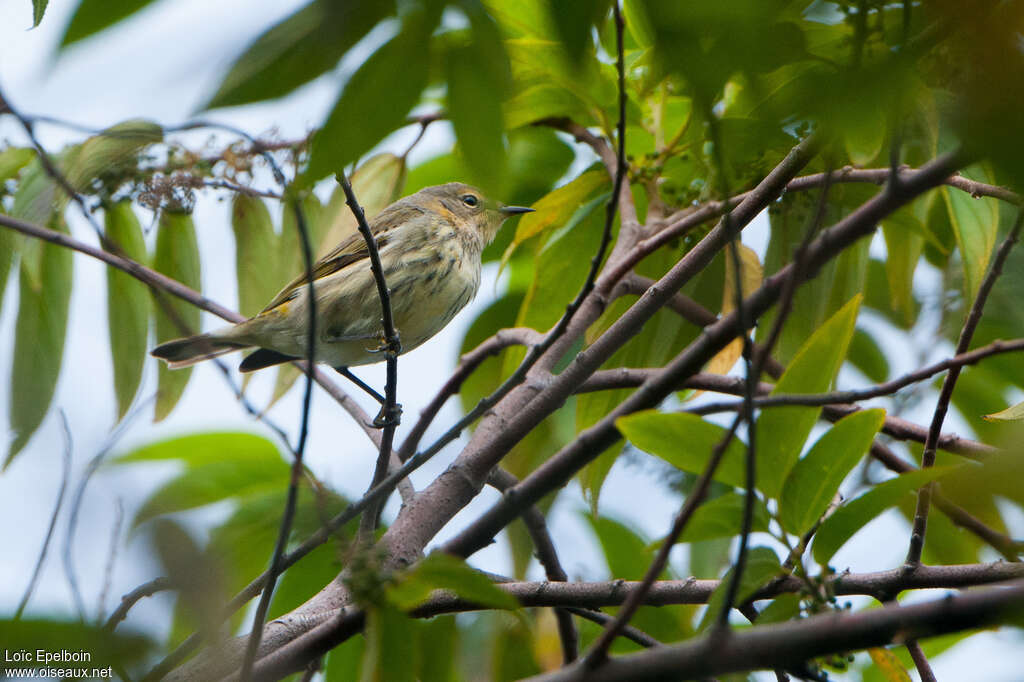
(383, 418)
(386, 416)
(345, 372)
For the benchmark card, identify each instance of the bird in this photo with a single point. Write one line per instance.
(430, 246)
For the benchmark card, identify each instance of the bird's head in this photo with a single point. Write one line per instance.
(468, 204)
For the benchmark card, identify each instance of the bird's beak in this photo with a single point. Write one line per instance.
(514, 210)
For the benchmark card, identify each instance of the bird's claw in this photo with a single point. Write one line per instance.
(388, 417)
(386, 346)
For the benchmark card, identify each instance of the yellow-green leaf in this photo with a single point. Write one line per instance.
(558, 206)
(12, 160)
(177, 256)
(752, 273)
(128, 305)
(1010, 414)
(889, 665)
(782, 431)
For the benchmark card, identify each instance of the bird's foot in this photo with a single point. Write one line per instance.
(388, 417)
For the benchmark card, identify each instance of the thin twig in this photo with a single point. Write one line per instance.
(949, 383)
(390, 413)
(924, 669)
(108, 571)
(603, 619)
(291, 502)
(129, 600)
(879, 390)
(64, 478)
(751, 373)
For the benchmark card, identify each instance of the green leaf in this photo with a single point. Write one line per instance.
(558, 268)
(722, 517)
(391, 646)
(627, 553)
(903, 249)
(12, 160)
(782, 608)
(854, 515)
(218, 466)
(537, 60)
(662, 338)
(376, 99)
(975, 223)
(93, 16)
(37, 199)
(297, 49)
(343, 662)
(558, 206)
(121, 648)
(782, 431)
(541, 101)
(128, 305)
(867, 356)
(177, 256)
(685, 441)
(478, 76)
(440, 571)
(8, 249)
(574, 22)
(257, 259)
(762, 565)
(377, 183)
(438, 639)
(38, 10)
(110, 154)
(636, 22)
(38, 339)
(815, 479)
(196, 575)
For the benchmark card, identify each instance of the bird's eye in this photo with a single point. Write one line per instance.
(470, 200)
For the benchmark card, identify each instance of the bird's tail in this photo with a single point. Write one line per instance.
(187, 352)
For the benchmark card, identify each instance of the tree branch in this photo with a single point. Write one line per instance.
(346, 622)
(792, 642)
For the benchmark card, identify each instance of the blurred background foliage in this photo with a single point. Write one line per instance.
(718, 92)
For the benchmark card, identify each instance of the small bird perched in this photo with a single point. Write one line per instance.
(429, 244)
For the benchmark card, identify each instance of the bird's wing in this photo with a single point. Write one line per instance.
(351, 250)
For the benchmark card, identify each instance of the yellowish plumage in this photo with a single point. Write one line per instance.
(429, 244)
